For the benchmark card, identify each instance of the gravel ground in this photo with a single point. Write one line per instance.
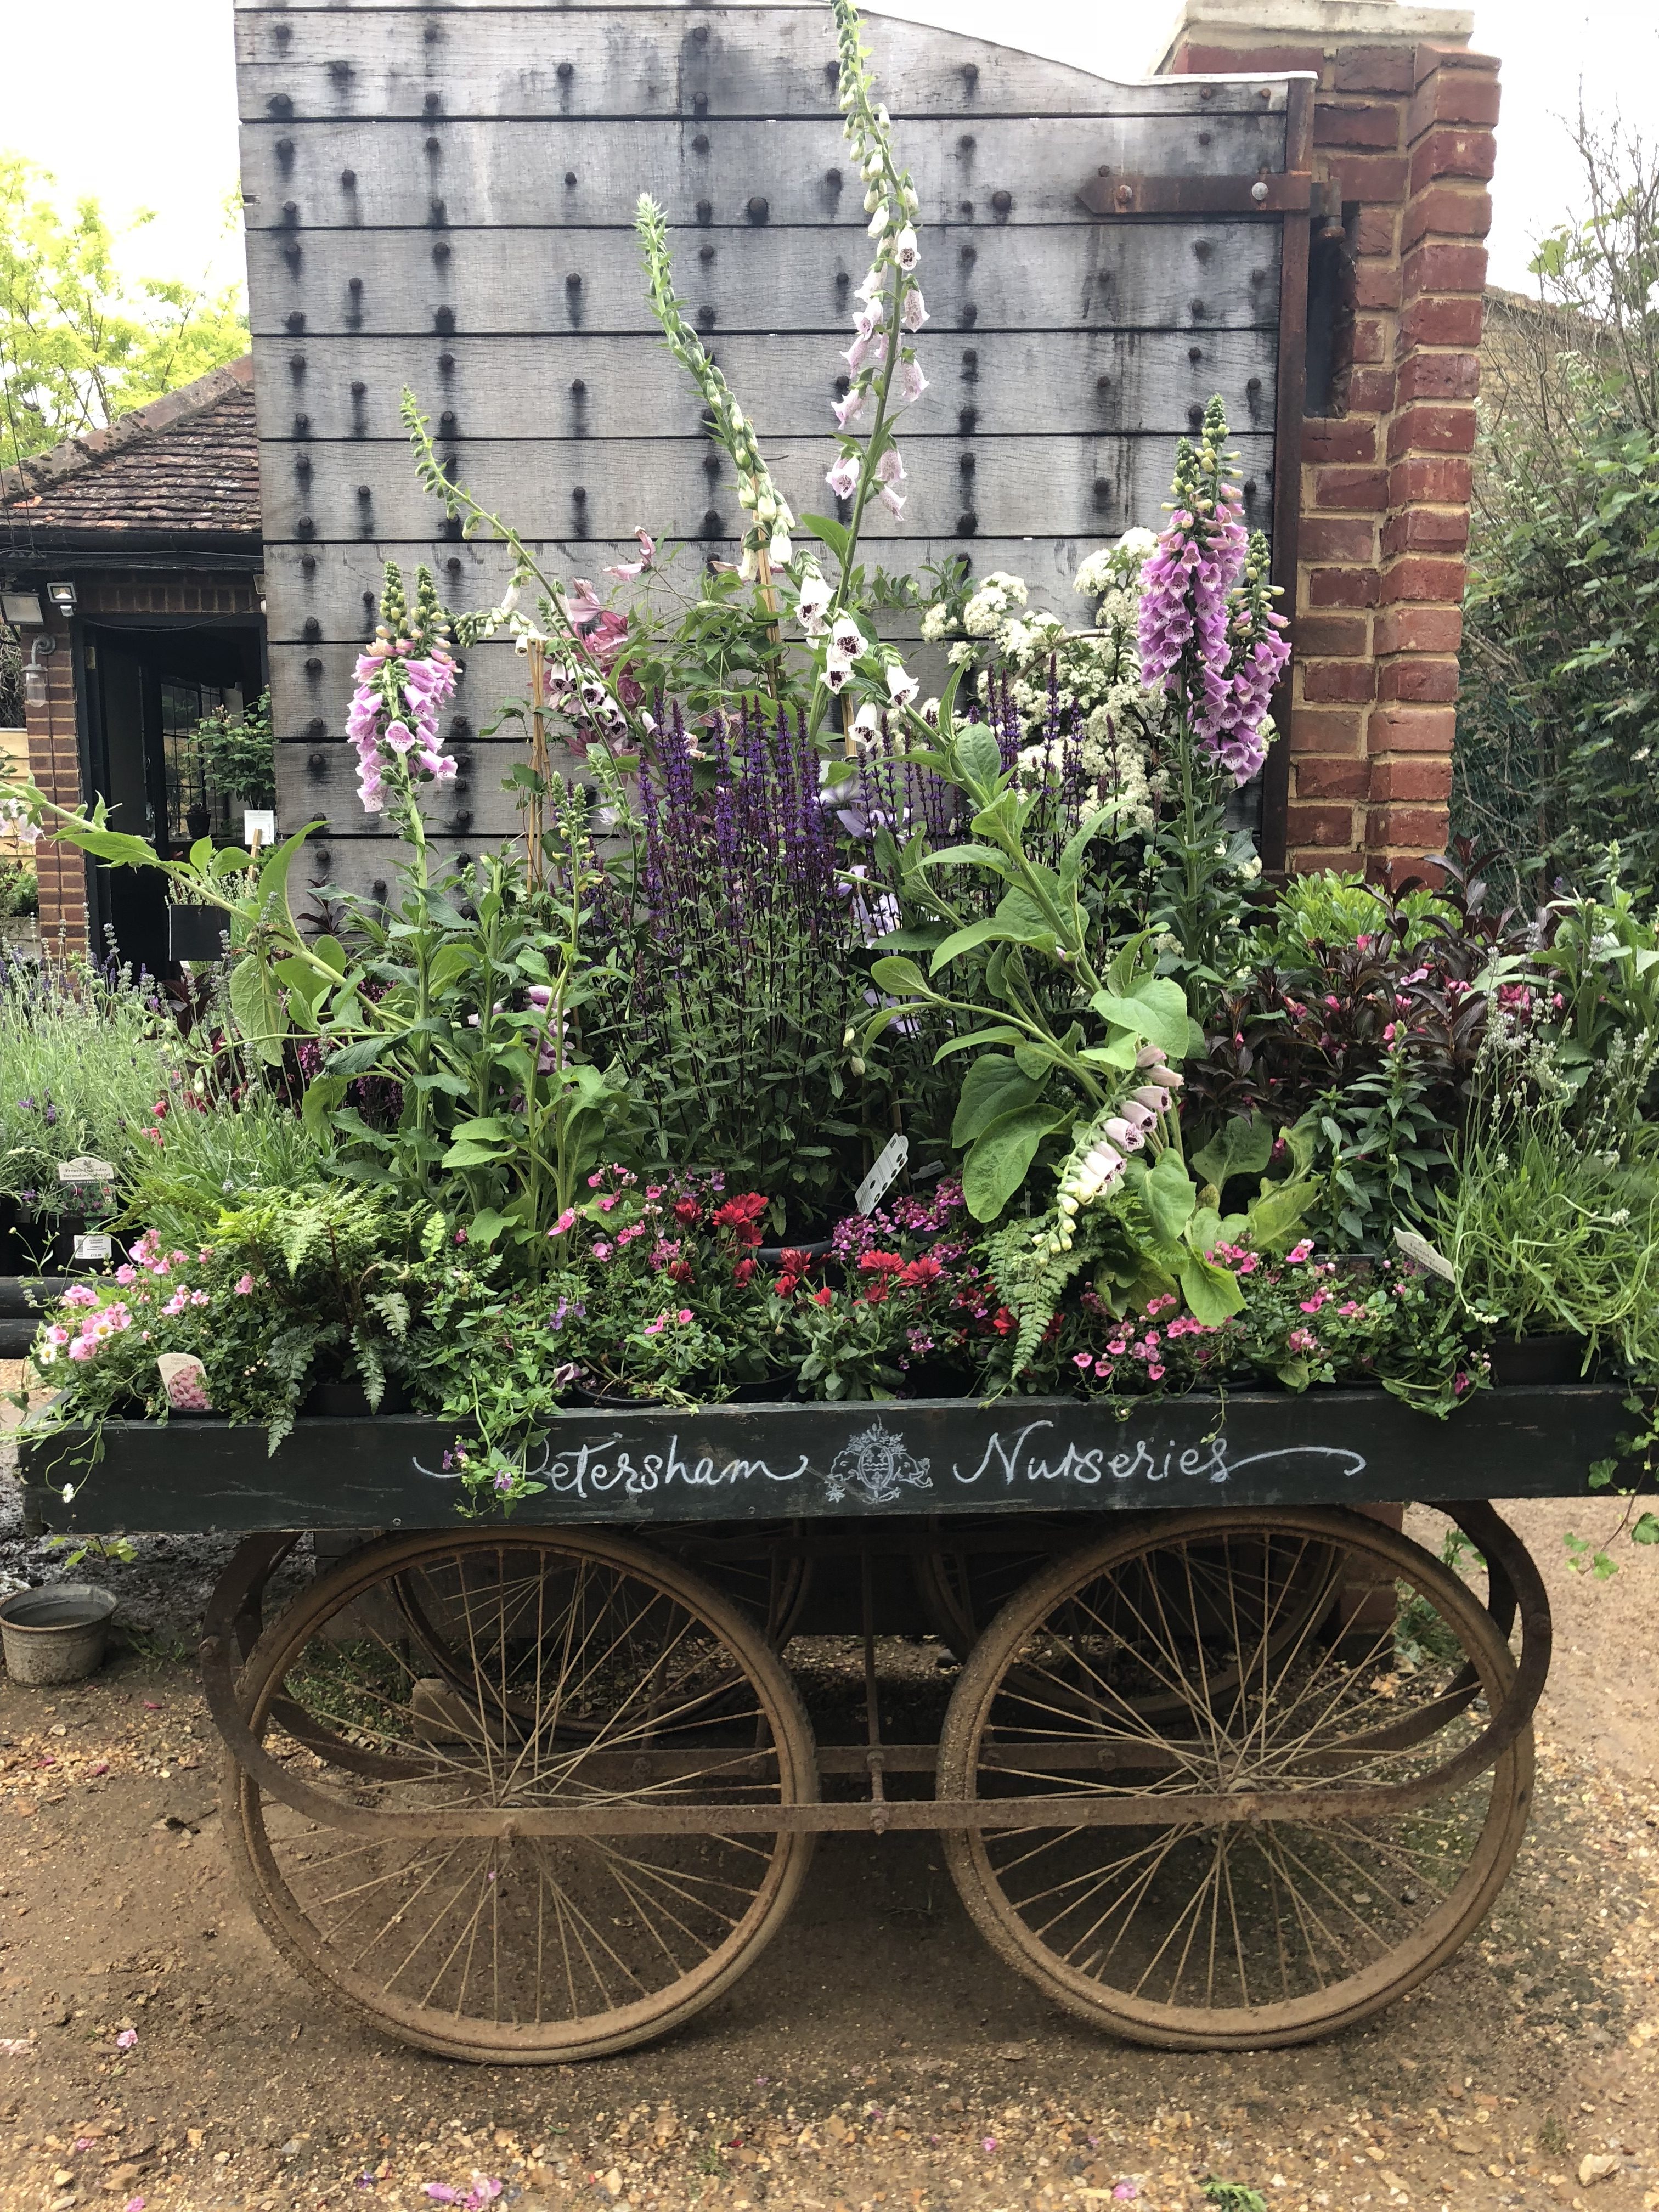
(154, 2048)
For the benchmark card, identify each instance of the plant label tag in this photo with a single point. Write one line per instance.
(92, 1248)
(85, 1169)
(880, 1179)
(259, 822)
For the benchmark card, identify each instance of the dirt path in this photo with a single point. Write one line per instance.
(878, 2056)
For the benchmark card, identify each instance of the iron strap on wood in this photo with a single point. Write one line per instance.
(1120, 191)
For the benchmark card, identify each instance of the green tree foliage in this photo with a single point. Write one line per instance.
(82, 344)
(1559, 717)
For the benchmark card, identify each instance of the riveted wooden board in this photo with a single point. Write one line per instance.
(929, 1458)
(566, 488)
(432, 203)
(1156, 274)
(994, 383)
(661, 61)
(465, 175)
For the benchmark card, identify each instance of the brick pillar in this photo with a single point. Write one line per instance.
(1403, 140)
(55, 766)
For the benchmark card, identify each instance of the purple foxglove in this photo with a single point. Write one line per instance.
(1137, 1116)
(1154, 1100)
(400, 738)
(842, 479)
(1122, 1134)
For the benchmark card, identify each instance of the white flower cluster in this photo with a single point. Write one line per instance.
(987, 611)
(1096, 1164)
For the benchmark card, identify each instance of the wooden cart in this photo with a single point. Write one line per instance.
(1227, 1760)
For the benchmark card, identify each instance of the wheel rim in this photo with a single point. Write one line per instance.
(574, 1669)
(1248, 1931)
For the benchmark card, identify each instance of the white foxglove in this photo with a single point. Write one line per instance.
(842, 479)
(906, 252)
(909, 384)
(901, 689)
(846, 637)
(915, 312)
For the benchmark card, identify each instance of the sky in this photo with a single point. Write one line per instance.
(141, 110)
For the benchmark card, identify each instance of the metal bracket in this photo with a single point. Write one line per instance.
(1124, 191)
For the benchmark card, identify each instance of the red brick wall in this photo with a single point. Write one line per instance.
(1404, 134)
(53, 721)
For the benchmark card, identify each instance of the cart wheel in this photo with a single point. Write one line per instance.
(597, 1671)
(1258, 1931)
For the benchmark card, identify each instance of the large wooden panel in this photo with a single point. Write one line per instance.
(662, 61)
(442, 197)
(505, 281)
(569, 488)
(988, 384)
(556, 172)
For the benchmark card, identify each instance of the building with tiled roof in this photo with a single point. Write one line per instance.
(130, 564)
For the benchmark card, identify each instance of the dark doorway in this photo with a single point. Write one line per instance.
(149, 682)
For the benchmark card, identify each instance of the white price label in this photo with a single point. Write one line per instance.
(92, 1248)
(85, 1169)
(259, 822)
(880, 1179)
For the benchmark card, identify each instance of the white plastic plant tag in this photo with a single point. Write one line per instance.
(92, 1248)
(259, 822)
(86, 1169)
(1422, 1254)
(880, 1179)
(185, 1379)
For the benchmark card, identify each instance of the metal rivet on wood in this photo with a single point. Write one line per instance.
(349, 180)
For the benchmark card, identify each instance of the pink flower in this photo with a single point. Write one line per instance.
(683, 1315)
(1298, 1253)
(401, 739)
(126, 2039)
(124, 1275)
(1083, 1360)
(602, 1251)
(245, 1286)
(80, 1294)
(626, 571)
(909, 384)
(565, 1224)
(843, 479)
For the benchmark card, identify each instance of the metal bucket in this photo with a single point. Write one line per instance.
(55, 1634)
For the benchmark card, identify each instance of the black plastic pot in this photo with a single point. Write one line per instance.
(349, 1400)
(1539, 1359)
(197, 933)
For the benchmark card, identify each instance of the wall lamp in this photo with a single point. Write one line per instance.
(63, 597)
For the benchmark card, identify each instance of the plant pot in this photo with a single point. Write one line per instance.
(1538, 1359)
(771, 1256)
(348, 1401)
(55, 1634)
(197, 933)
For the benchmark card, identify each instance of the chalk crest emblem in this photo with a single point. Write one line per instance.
(877, 1466)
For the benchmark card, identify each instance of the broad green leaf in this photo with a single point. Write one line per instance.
(978, 755)
(357, 1059)
(1211, 1293)
(1242, 1145)
(323, 1094)
(969, 856)
(1032, 1060)
(1001, 1154)
(993, 1086)
(472, 1156)
(1276, 1215)
(486, 1225)
(1077, 847)
(999, 1036)
(1120, 1054)
(256, 1001)
(1168, 1195)
(114, 845)
(988, 932)
(832, 534)
(900, 978)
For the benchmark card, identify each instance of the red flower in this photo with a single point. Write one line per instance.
(679, 1271)
(1003, 1322)
(744, 1270)
(796, 1262)
(688, 1210)
(877, 1293)
(741, 1214)
(921, 1272)
(787, 1284)
(881, 1263)
(822, 1298)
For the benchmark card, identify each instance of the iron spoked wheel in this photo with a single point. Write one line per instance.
(1219, 1933)
(597, 1673)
